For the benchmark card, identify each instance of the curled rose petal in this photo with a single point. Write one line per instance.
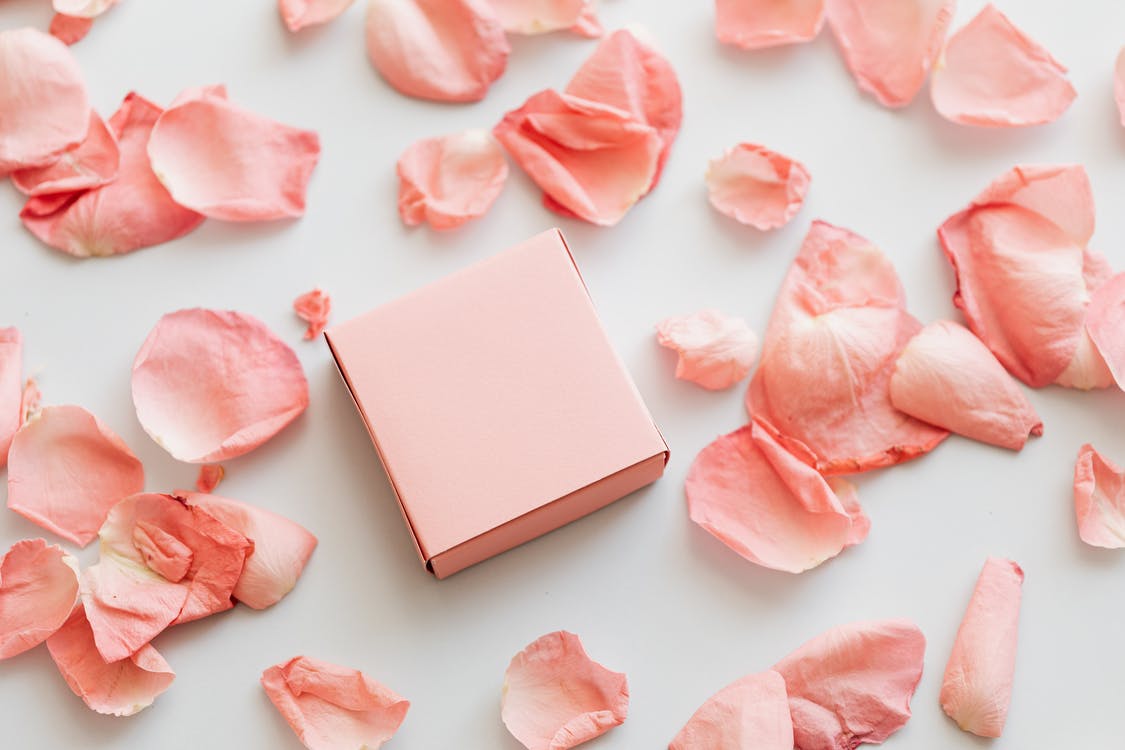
(449, 180)
(69, 29)
(38, 590)
(1105, 325)
(209, 477)
(715, 350)
(543, 16)
(756, 186)
(947, 377)
(752, 712)
(297, 14)
(83, 8)
(314, 308)
(210, 385)
(11, 367)
(837, 328)
(89, 164)
(853, 684)
(461, 42)
(331, 707)
(557, 697)
(66, 470)
(120, 688)
(993, 75)
(977, 688)
(1099, 499)
(754, 24)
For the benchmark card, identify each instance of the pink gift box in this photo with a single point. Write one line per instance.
(497, 405)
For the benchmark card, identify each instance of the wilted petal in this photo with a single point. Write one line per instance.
(1099, 499)
(853, 684)
(1105, 324)
(314, 308)
(38, 590)
(756, 186)
(715, 350)
(992, 74)
(91, 163)
(753, 24)
(542, 16)
(11, 369)
(750, 713)
(332, 707)
(69, 29)
(557, 697)
(977, 688)
(83, 8)
(209, 477)
(298, 14)
(449, 180)
(66, 470)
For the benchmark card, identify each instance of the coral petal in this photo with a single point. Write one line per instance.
(83, 8)
(89, 164)
(449, 180)
(128, 606)
(752, 712)
(715, 350)
(11, 409)
(541, 16)
(297, 14)
(69, 29)
(209, 477)
(1105, 324)
(38, 590)
(756, 186)
(754, 24)
(1099, 499)
(314, 308)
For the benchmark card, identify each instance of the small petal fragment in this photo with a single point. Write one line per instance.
(210, 385)
(715, 350)
(31, 402)
(90, 164)
(993, 75)
(69, 29)
(83, 8)
(11, 367)
(1105, 325)
(557, 697)
(38, 590)
(331, 707)
(853, 684)
(210, 475)
(756, 186)
(66, 470)
(446, 50)
(450, 180)
(314, 308)
(1119, 84)
(297, 14)
(754, 24)
(977, 688)
(543, 16)
(1099, 499)
(752, 712)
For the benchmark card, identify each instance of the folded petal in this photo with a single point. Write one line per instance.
(89, 164)
(752, 712)
(83, 8)
(542, 16)
(993, 75)
(556, 696)
(977, 688)
(69, 29)
(297, 14)
(1105, 324)
(314, 308)
(446, 50)
(754, 24)
(449, 180)
(1099, 499)
(715, 350)
(38, 590)
(331, 707)
(11, 369)
(853, 684)
(210, 385)
(756, 186)
(127, 606)
(66, 470)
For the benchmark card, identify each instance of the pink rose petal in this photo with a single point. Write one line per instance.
(853, 684)
(993, 75)
(450, 180)
(69, 29)
(31, 402)
(446, 50)
(83, 8)
(752, 712)
(556, 697)
(1099, 499)
(91, 163)
(314, 308)
(756, 186)
(543, 16)
(754, 24)
(977, 688)
(1105, 325)
(211, 385)
(38, 590)
(837, 328)
(120, 688)
(66, 470)
(1119, 84)
(11, 367)
(588, 24)
(331, 707)
(947, 377)
(297, 14)
(715, 350)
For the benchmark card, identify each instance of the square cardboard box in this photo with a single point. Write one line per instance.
(497, 405)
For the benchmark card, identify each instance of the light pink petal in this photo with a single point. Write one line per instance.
(331, 707)
(1119, 84)
(1099, 499)
(314, 308)
(210, 475)
(556, 697)
(83, 8)
(756, 186)
(446, 50)
(89, 164)
(128, 606)
(38, 590)
(542, 16)
(69, 29)
(449, 180)
(11, 369)
(752, 712)
(588, 24)
(66, 470)
(297, 14)
(754, 24)
(715, 350)
(210, 385)
(120, 688)
(993, 75)
(1105, 323)
(853, 684)
(836, 330)
(947, 377)
(977, 688)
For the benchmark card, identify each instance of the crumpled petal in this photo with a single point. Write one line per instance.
(766, 504)
(1105, 325)
(120, 688)
(83, 8)
(210, 385)
(69, 29)
(446, 50)
(993, 75)
(332, 707)
(543, 16)
(837, 328)
(210, 475)
(229, 163)
(556, 697)
(715, 350)
(752, 712)
(853, 684)
(11, 398)
(43, 98)
(1099, 499)
(314, 308)
(38, 590)
(89, 164)
(947, 377)
(754, 24)
(449, 180)
(66, 470)
(297, 14)
(756, 186)
(977, 688)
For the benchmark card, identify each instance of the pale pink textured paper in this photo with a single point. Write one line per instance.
(757, 186)
(89, 164)
(11, 369)
(1099, 499)
(450, 180)
(751, 713)
(297, 14)
(754, 24)
(38, 590)
(714, 350)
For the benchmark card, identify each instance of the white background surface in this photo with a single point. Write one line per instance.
(649, 593)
